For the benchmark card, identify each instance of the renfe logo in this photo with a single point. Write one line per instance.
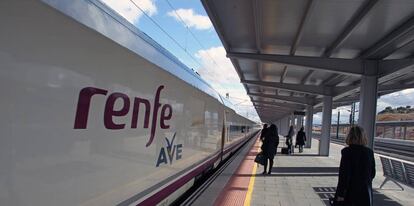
(85, 98)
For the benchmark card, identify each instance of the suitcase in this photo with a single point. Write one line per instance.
(285, 150)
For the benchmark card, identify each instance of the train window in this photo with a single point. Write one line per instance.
(196, 112)
(243, 129)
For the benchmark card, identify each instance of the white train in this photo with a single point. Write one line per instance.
(94, 112)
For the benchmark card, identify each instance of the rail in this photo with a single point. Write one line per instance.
(401, 149)
(403, 130)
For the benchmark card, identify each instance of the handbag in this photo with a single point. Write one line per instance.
(260, 158)
(334, 202)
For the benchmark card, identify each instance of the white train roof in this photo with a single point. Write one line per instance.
(99, 17)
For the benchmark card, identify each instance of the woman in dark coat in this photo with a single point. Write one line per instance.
(289, 137)
(356, 171)
(300, 139)
(264, 130)
(269, 146)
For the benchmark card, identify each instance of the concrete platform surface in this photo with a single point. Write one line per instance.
(308, 179)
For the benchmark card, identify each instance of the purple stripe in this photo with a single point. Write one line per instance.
(232, 146)
(165, 192)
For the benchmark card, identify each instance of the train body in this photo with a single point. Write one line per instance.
(94, 112)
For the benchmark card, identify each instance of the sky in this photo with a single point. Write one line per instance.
(185, 30)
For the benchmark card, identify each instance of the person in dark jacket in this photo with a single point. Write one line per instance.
(269, 147)
(356, 171)
(264, 130)
(300, 139)
(289, 137)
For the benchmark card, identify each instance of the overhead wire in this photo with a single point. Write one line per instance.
(173, 39)
(199, 42)
(165, 32)
(192, 34)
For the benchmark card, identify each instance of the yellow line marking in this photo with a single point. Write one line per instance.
(251, 185)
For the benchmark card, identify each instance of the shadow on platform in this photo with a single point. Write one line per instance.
(297, 171)
(379, 199)
(305, 155)
(304, 171)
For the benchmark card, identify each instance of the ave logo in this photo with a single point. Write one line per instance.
(170, 152)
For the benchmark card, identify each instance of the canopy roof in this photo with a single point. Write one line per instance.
(288, 54)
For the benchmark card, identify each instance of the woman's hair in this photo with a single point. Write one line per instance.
(273, 130)
(356, 136)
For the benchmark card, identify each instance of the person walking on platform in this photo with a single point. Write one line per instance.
(264, 130)
(289, 137)
(269, 147)
(300, 139)
(356, 171)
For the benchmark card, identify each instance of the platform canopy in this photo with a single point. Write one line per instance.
(291, 53)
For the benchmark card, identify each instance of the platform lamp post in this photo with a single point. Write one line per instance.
(337, 124)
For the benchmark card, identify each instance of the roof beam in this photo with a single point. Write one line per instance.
(333, 81)
(259, 71)
(356, 19)
(283, 76)
(308, 89)
(294, 100)
(384, 89)
(277, 104)
(275, 114)
(347, 100)
(397, 66)
(344, 93)
(304, 21)
(208, 6)
(257, 15)
(273, 109)
(383, 47)
(335, 65)
(394, 87)
(270, 113)
(307, 76)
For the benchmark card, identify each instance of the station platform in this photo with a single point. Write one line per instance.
(297, 179)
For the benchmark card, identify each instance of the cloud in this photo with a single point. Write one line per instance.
(217, 68)
(401, 98)
(129, 11)
(317, 118)
(191, 19)
(221, 74)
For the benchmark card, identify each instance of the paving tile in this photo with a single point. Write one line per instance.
(295, 186)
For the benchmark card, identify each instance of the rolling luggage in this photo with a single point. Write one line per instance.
(285, 150)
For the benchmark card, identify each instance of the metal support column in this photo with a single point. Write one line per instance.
(284, 125)
(326, 126)
(309, 124)
(300, 124)
(368, 107)
(295, 122)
